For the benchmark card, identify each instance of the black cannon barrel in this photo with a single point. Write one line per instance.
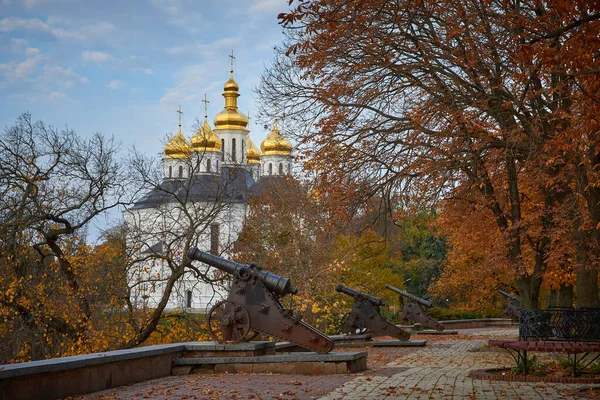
(274, 283)
(506, 294)
(356, 294)
(410, 296)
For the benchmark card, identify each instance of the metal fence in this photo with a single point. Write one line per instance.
(560, 324)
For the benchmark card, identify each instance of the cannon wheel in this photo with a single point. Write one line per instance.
(353, 324)
(228, 322)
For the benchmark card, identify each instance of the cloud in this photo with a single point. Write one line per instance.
(31, 3)
(51, 97)
(192, 83)
(179, 13)
(51, 27)
(114, 85)
(269, 6)
(208, 49)
(27, 67)
(84, 80)
(33, 24)
(96, 56)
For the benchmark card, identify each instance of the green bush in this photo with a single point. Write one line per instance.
(446, 314)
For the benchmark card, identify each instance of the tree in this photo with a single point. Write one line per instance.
(52, 184)
(285, 233)
(469, 103)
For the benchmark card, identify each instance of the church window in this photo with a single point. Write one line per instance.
(170, 171)
(233, 155)
(270, 169)
(243, 150)
(222, 149)
(217, 166)
(181, 171)
(280, 169)
(214, 239)
(290, 169)
(188, 300)
(208, 165)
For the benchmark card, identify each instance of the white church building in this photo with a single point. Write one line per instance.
(207, 178)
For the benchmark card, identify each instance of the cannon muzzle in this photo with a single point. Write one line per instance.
(274, 283)
(376, 301)
(506, 294)
(412, 297)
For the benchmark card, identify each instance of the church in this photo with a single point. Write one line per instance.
(202, 201)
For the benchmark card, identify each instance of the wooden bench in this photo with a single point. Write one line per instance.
(560, 330)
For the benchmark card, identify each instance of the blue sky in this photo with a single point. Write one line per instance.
(123, 67)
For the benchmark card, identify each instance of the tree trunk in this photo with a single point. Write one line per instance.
(587, 286)
(565, 296)
(529, 291)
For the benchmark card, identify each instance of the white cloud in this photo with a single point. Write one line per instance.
(31, 3)
(51, 97)
(33, 24)
(26, 68)
(96, 56)
(208, 49)
(192, 83)
(269, 5)
(84, 80)
(114, 85)
(17, 45)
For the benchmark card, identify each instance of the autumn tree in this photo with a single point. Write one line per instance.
(172, 214)
(52, 183)
(460, 105)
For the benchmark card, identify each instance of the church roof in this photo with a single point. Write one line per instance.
(233, 185)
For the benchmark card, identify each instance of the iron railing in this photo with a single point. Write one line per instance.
(560, 324)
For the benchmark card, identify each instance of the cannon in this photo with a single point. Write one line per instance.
(415, 310)
(513, 308)
(365, 316)
(253, 307)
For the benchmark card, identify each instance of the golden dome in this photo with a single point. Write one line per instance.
(276, 144)
(206, 139)
(178, 147)
(253, 153)
(231, 117)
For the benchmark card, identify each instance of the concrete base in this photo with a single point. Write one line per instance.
(294, 363)
(214, 349)
(398, 343)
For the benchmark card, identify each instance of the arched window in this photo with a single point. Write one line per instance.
(270, 169)
(280, 169)
(217, 166)
(170, 171)
(233, 152)
(181, 171)
(222, 149)
(208, 165)
(289, 169)
(243, 150)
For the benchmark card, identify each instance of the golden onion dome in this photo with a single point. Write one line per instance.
(231, 117)
(276, 144)
(206, 139)
(252, 153)
(178, 147)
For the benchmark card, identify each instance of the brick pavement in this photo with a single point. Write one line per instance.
(439, 371)
(436, 371)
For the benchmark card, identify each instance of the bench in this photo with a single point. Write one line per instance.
(558, 330)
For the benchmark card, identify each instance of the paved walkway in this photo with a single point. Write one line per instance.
(440, 369)
(436, 371)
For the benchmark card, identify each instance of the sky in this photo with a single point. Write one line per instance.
(124, 67)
